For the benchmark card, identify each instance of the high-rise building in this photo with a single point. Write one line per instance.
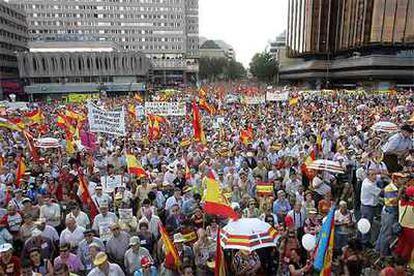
(216, 49)
(350, 40)
(278, 47)
(165, 30)
(13, 38)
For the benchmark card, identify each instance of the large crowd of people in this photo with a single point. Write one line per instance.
(47, 227)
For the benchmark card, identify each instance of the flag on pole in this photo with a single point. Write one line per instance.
(35, 116)
(134, 167)
(198, 125)
(327, 265)
(220, 266)
(215, 201)
(85, 195)
(324, 243)
(172, 259)
(20, 171)
(31, 146)
(206, 106)
(246, 135)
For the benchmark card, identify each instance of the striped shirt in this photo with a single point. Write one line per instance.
(391, 195)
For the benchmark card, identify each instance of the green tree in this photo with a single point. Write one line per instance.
(220, 68)
(234, 70)
(264, 67)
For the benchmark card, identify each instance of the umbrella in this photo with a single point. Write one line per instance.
(385, 127)
(248, 234)
(326, 165)
(47, 143)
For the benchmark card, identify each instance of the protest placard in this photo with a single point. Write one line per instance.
(109, 183)
(277, 96)
(253, 99)
(125, 214)
(165, 108)
(111, 122)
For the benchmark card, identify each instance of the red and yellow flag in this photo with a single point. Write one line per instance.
(138, 98)
(86, 196)
(215, 202)
(198, 125)
(31, 146)
(220, 266)
(132, 111)
(35, 116)
(293, 101)
(172, 259)
(327, 264)
(134, 167)
(304, 168)
(264, 189)
(20, 171)
(206, 106)
(187, 172)
(18, 122)
(154, 126)
(246, 136)
(8, 124)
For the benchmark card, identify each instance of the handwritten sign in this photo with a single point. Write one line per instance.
(109, 183)
(165, 108)
(111, 122)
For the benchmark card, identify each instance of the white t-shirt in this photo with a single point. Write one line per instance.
(72, 238)
(369, 193)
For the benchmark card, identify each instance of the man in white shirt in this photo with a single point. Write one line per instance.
(369, 200)
(47, 230)
(80, 217)
(73, 234)
(50, 211)
(103, 221)
(100, 197)
(103, 267)
(396, 147)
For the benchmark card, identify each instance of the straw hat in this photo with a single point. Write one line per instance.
(100, 258)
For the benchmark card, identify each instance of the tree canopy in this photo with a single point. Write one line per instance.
(264, 67)
(220, 68)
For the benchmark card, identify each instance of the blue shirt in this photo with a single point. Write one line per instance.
(281, 206)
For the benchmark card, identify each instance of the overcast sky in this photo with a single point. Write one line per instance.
(245, 24)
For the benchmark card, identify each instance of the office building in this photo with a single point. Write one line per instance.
(166, 31)
(58, 68)
(278, 48)
(13, 38)
(216, 49)
(350, 40)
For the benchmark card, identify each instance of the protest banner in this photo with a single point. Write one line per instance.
(111, 122)
(109, 183)
(253, 99)
(165, 108)
(277, 96)
(80, 98)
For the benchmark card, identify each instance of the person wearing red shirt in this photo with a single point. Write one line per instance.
(9, 264)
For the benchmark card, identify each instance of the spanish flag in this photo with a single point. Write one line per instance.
(198, 125)
(74, 115)
(202, 93)
(35, 116)
(187, 172)
(61, 120)
(220, 265)
(264, 189)
(10, 125)
(138, 98)
(153, 127)
(132, 111)
(246, 136)
(294, 101)
(215, 202)
(134, 167)
(18, 122)
(185, 142)
(206, 106)
(304, 167)
(31, 146)
(172, 259)
(85, 195)
(20, 171)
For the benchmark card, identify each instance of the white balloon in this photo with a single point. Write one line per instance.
(309, 242)
(364, 225)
